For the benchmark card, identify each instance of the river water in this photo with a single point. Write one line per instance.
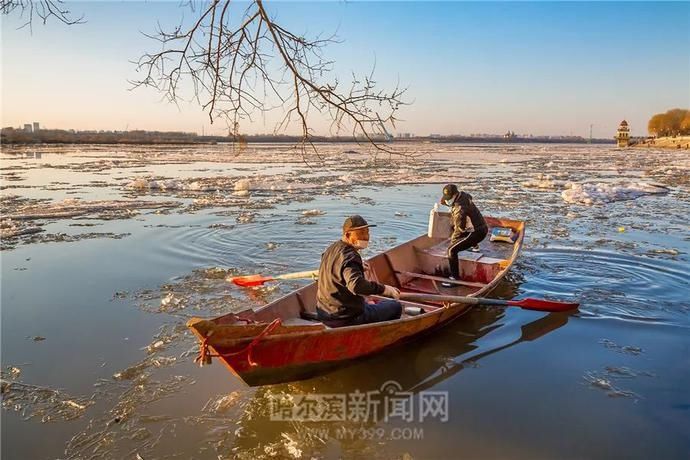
(108, 250)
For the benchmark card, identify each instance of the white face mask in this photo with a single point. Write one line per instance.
(361, 244)
(449, 202)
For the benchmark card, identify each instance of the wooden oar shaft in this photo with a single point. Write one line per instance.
(527, 304)
(444, 298)
(313, 274)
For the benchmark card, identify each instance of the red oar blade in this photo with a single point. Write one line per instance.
(544, 305)
(250, 280)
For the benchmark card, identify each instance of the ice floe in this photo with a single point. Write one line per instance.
(12, 229)
(39, 402)
(599, 193)
(73, 207)
(544, 181)
(313, 212)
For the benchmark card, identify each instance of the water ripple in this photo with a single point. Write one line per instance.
(610, 285)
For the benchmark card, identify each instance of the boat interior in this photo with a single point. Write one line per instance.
(418, 266)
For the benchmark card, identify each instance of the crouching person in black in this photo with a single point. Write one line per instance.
(462, 207)
(342, 284)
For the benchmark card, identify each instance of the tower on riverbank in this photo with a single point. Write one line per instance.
(623, 135)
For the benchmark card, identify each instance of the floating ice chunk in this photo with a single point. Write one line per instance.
(291, 446)
(138, 184)
(599, 193)
(149, 183)
(348, 178)
(131, 372)
(11, 229)
(14, 371)
(544, 182)
(155, 346)
(669, 251)
(197, 186)
(74, 207)
(75, 405)
(243, 185)
(313, 212)
(246, 217)
(224, 403)
(168, 299)
(169, 184)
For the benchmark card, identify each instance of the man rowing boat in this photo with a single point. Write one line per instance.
(462, 207)
(342, 284)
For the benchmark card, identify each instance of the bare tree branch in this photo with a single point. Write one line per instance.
(43, 9)
(241, 64)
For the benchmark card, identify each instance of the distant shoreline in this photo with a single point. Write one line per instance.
(160, 139)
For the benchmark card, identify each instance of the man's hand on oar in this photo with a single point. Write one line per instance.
(259, 280)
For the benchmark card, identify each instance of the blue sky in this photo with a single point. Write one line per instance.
(541, 68)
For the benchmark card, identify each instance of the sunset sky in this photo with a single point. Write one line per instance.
(540, 68)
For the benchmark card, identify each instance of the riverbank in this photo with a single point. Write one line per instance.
(677, 142)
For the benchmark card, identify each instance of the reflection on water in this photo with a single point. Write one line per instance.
(610, 380)
(412, 370)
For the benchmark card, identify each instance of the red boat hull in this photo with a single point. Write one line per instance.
(272, 344)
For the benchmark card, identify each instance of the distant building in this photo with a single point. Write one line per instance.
(623, 135)
(36, 127)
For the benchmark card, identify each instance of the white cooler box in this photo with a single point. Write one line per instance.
(440, 226)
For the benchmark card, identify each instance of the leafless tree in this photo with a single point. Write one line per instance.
(241, 64)
(244, 63)
(41, 9)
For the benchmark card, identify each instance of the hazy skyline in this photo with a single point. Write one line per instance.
(540, 68)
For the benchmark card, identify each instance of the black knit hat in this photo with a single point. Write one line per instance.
(355, 223)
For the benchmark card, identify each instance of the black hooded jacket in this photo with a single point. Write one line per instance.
(464, 207)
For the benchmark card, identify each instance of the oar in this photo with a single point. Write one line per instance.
(258, 280)
(527, 304)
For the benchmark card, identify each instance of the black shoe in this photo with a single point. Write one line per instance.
(475, 248)
(449, 285)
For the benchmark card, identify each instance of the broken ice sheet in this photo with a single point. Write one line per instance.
(223, 403)
(600, 193)
(11, 229)
(72, 207)
(604, 382)
(313, 213)
(126, 423)
(627, 349)
(33, 401)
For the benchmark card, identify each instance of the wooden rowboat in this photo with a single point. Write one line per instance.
(275, 343)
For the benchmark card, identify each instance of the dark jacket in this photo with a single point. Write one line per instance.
(342, 283)
(463, 206)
